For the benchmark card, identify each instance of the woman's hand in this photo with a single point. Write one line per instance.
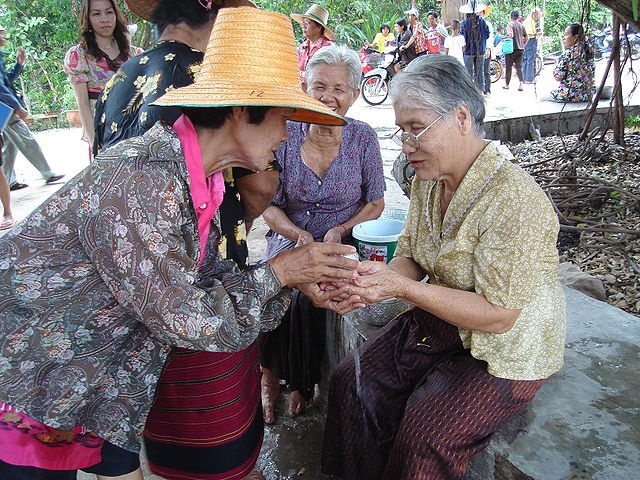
(332, 296)
(375, 282)
(314, 263)
(304, 238)
(334, 235)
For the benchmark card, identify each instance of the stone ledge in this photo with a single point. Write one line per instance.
(584, 422)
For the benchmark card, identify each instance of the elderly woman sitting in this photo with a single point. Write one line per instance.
(331, 180)
(575, 68)
(123, 263)
(488, 325)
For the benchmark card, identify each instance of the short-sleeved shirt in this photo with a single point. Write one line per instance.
(307, 50)
(498, 239)
(516, 31)
(84, 68)
(354, 178)
(420, 41)
(381, 39)
(454, 44)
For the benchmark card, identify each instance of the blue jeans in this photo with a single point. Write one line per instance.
(475, 67)
(529, 66)
(17, 136)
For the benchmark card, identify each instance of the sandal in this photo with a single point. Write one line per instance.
(269, 391)
(7, 222)
(297, 404)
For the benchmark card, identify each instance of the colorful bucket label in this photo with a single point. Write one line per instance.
(375, 253)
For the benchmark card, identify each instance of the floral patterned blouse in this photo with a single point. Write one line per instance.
(83, 68)
(497, 239)
(306, 50)
(354, 178)
(577, 74)
(102, 279)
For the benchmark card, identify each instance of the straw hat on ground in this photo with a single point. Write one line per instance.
(238, 71)
(317, 14)
(145, 8)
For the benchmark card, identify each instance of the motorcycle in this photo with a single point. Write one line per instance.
(375, 84)
(369, 58)
(601, 42)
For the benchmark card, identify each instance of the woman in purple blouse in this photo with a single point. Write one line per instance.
(331, 180)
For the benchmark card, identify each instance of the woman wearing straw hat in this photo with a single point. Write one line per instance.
(184, 29)
(316, 34)
(121, 265)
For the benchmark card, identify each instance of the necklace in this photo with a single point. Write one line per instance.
(458, 218)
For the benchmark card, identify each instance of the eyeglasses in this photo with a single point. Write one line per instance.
(400, 137)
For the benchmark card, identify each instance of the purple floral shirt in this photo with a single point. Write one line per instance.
(354, 178)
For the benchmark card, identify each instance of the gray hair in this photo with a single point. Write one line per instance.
(336, 55)
(441, 84)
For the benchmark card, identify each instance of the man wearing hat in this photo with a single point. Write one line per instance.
(418, 40)
(17, 135)
(316, 33)
(476, 33)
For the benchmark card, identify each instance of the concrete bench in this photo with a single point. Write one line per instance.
(584, 422)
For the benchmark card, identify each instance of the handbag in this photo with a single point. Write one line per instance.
(507, 46)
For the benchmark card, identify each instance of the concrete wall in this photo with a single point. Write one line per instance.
(517, 129)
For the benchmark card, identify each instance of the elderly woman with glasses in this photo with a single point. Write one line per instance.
(478, 262)
(331, 180)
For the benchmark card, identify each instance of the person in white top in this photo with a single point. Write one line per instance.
(454, 43)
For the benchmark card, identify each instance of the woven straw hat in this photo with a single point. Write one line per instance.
(238, 71)
(472, 7)
(145, 8)
(317, 14)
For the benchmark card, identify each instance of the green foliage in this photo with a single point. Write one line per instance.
(633, 121)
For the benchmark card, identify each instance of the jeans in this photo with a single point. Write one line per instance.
(17, 136)
(475, 67)
(529, 65)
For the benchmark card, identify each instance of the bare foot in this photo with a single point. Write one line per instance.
(297, 404)
(269, 389)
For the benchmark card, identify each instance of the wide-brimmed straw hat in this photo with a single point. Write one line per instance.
(238, 71)
(472, 7)
(145, 8)
(317, 14)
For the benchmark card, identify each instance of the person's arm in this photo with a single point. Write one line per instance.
(369, 211)
(21, 58)
(256, 192)
(141, 239)
(278, 221)
(86, 117)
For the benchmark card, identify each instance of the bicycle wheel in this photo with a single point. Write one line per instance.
(538, 65)
(495, 70)
(374, 90)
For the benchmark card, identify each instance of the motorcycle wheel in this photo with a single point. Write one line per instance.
(374, 90)
(495, 70)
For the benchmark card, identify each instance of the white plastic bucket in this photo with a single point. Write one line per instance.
(377, 239)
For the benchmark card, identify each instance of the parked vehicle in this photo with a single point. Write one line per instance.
(369, 59)
(601, 42)
(375, 84)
